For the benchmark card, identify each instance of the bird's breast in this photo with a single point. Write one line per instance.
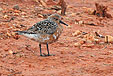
(50, 38)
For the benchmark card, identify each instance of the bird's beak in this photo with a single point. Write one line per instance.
(63, 23)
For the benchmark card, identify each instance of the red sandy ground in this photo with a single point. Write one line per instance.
(68, 60)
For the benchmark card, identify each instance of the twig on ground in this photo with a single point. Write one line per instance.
(92, 24)
(101, 11)
(11, 70)
(12, 18)
(63, 5)
(42, 3)
(14, 73)
(99, 35)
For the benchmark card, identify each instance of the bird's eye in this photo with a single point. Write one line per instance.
(55, 19)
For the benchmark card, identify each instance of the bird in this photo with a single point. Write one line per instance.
(46, 31)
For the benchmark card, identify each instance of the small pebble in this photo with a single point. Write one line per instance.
(16, 7)
(1, 9)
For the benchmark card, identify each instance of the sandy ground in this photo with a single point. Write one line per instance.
(69, 60)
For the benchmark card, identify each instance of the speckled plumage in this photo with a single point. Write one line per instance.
(46, 31)
(44, 27)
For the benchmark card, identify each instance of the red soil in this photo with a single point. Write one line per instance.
(68, 60)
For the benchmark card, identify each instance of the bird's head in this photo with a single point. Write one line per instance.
(56, 18)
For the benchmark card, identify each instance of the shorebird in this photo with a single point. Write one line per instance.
(45, 32)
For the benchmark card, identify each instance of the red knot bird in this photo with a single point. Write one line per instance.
(45, 32)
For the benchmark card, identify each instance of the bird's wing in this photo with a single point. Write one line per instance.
(44, 27)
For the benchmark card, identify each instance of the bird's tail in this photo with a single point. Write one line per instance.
(27, 34)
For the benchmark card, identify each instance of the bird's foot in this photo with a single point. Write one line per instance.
(50, 54)
(42, 55)
(45, 55)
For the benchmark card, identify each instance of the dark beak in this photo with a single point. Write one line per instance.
(63, 23)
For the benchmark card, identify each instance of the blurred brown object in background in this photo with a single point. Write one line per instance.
(101, 11)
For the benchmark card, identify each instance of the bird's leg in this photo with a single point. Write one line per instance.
(48, 51)
(40, 50)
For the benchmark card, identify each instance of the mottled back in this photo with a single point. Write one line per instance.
(44, 27)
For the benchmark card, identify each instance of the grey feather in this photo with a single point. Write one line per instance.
(44, 27)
